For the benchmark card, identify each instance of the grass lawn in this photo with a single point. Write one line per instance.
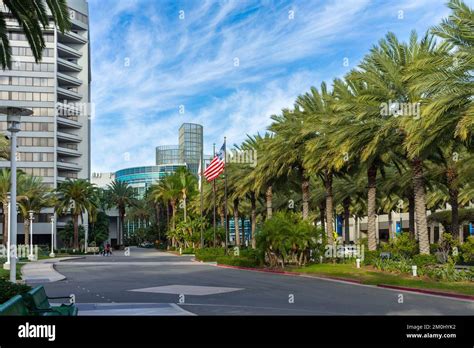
(372, 276)
(5, 274)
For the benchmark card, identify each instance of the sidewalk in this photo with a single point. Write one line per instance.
(162, 309)
(43, 271)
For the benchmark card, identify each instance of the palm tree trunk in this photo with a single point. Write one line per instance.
(75, 222)
(420, 206)
(371, 218)
(411, 214)
(26, 231)
(346, 203)
(305, 194)
(236, 222)
(451, 176)
(322, 212)
(269, 199)
(391, 234)
(253, 204)
(184, 206)
(173, 214)
(329, 207)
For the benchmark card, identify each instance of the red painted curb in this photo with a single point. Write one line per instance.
(430, 292)
(289, 273)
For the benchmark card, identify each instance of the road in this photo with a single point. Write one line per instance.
(152, 282)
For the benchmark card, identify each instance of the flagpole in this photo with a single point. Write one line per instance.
(200, 181)
(225, 195)
(214, 196)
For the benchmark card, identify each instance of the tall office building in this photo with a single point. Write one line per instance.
(190, 145)
(54, 143)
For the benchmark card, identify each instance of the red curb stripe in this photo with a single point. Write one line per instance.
(430, 292)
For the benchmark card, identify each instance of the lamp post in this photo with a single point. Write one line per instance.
(13, 120)
(52, 237)
(31, 256)
(6, 265)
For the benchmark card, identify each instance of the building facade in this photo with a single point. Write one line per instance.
(141, 178)
(54, 143)
(191, 145)
(189, 150)
(168, 154)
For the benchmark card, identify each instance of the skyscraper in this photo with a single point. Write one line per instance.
(188, 151)
(54, 143)
(190, 145)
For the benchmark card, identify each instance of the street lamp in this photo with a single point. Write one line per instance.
(13, 120)
(31, 213)
(52, 237)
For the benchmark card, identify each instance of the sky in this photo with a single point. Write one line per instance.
(228, 65)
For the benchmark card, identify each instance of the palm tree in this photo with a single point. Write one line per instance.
(34, 196)
(32, 16)
(456, 85)
(318, 108)
(120, 195)
(187, 184)
(76, 197)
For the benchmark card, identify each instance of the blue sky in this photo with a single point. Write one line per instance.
(230, 64)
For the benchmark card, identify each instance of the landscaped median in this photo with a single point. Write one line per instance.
(369, 275)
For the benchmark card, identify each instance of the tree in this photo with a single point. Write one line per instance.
(34, 196)
(75, 197)
(32, 16)
(187, 184)
(318, 110)
(120, 195)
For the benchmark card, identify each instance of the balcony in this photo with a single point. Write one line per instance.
(68, 122)
(63, 165)
(67, 109)
(67, 51)
(64, 93)
(71, 38)
(69, 137)
(68, 80)
(68, 152)
(65, 65)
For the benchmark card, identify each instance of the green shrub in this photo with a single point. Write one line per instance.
(467, 251)
(401, 266)
(8, 290)
(447, 272)
(241, 261)
(403, 246)
(287, 238)
(209, 254)
(424, 260)
(187, 251)
(370, 256)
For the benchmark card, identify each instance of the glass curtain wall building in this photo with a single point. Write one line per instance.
(168, 154)
(190, 145)
(54, 143)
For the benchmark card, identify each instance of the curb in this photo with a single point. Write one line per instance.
(393, 287)
(428, 292)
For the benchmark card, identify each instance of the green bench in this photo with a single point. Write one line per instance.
(14, 306)
(36, 302)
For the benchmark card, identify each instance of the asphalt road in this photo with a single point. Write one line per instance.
(99, 279)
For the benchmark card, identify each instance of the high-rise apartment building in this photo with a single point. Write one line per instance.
(54, 143)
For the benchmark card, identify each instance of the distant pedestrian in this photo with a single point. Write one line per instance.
(108, 249)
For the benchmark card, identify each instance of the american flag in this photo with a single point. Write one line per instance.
(216, 167)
